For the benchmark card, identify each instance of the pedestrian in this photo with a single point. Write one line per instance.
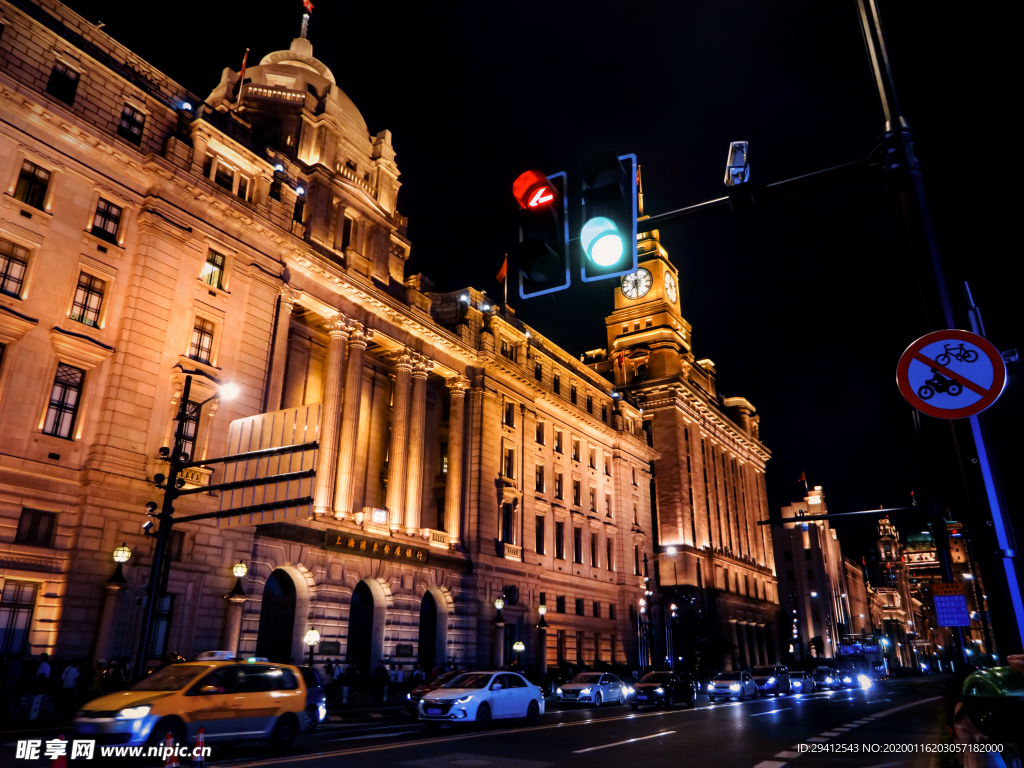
(329, 670)
(348, 681)
(381, 679)
(44, 666)
(69, 684)
(417, 677)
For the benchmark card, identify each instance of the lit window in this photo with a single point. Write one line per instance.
(13, 263)
(88, 300)
(224, 176)
(576, 498)
(202, 340)
(510, 414)
(539, 436)
(106, 221)
(17, 603)
(63, 83)
(509, 463)
(33, 182)
(213, 269)
(132, 122)
(558, 485)
(539, 479)
(64, 398)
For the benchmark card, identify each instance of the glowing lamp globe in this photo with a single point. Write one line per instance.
(499, 603)
(542, 609)
(311, 638)
(122, 554)
(518, 646)
(229, 391)
(602, 241)
(239, 570)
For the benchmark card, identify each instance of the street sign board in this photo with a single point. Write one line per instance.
(951, 605)
(951, 374)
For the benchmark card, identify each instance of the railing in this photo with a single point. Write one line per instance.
(438, 539)
(267, 92)
(349, 174)
(195, 477)
(513, 552)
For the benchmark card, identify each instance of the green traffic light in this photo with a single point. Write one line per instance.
(601, 241)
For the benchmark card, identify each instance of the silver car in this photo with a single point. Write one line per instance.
(593, 688)
(732, 685)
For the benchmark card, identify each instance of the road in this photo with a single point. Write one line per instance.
(765, 733)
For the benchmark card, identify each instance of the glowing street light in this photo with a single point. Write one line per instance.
(121, 556)
(311, 638)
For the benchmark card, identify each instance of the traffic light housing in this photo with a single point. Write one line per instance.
(608, 234)
(542, 256)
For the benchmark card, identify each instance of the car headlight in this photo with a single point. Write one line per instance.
(865, 681)
(133, 713)
(734, 687)
(321, 712)
(828, 679)
(847, 680)
(771, 681)
(586, 691)
(559, 691)
(711, 686)
(659, 690)
(408, 696)
(464, 699)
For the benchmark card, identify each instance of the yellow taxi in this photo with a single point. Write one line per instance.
(236, 700)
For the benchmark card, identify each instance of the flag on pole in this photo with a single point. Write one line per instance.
(307, 5)
(503, 272)
(803, 479)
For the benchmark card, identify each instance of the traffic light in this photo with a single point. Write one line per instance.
(542, 256)
(608, 235)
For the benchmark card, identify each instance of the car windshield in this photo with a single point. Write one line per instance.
(469, 680)
(442, 679)
(728, 676)
(762, 671)
(584, 678)
(172, 678)
(822, 672)
(656, 677)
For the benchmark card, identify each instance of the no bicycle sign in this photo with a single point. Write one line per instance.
(951, 374)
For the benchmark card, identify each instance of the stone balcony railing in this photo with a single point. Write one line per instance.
(436, 538)
(196, 477)
(513, 552)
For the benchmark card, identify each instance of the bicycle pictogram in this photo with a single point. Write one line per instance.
(958, 353)
(939, 383)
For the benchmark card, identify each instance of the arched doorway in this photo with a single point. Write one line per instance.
(360, 628)
(277, 618)
(428, 632)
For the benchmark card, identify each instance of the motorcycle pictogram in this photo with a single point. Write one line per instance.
(940, 383)
(957, 353)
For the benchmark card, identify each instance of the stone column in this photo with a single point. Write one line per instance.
(457, 387)
(275, 386)
(763, 645)
(415, 446)
(330, 415)
(542, 652)
(357, 340)
(233, 622)
(399, 433)
(755, 651)
(741, 630)
(735, 641)
(499, 644)
(108, 620)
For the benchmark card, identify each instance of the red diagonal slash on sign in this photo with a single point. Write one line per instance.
(981, 391)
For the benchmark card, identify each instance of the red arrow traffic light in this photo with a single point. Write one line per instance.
(532, 190)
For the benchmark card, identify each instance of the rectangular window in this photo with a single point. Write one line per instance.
(575, 449)
(611, 615)
(509, 463)
(243, 187)
(538, 533)
(604, 413)
(590, 404)
(608, 554)
(636, 559)
(576, 498)
(444, 459)
(106, 221)
(63, 83)
(607, 466)
(636, 514)
(64, 397)
(538, 371)
(510, 414)
(558, 441)
(190, 429)
(508, 524)
(130, 127)
(560, 541)
(577, 545)
(88, 300)
(33, 182)
(202, 340)
(36, 528)
(593, 550)
(176, 546)
(635, 482)
(346, 233)
(597, 609)
(508, 350)
(579, 606)
(538, 476)
(560, 604)
(789, 576)
(13, 263)
(556, 384)
(560, 645)
(539, 434)
(572, 394)
(17, 603)
(607, 505)
(224, 177)
(592, 458)
(593, 500)
(213, 269)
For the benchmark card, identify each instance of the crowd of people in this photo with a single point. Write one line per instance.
(356, 684)
(40, 687)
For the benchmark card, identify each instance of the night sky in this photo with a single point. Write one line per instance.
(804, 306)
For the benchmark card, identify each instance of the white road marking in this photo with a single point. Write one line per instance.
(830, 734)
(842, 730)
(905, 706)
(627, 741)
(375, 714)
(370, 736)
(787, 755)
(770, 764)
(772, 711)
(817, 739)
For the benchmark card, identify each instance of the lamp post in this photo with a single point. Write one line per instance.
(311, 638)
(108, 618)
(518, 646)
(236, 605)
(542, 640)
(499, 633)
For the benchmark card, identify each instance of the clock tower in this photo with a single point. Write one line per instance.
(647, 334)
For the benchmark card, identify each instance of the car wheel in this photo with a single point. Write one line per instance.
(169, 725)
(742, 696)
(777, 693)
(711, 699)
(532, 714)
(597, 700)
(634, 706)
(285, 731)
(622, 698)
(483, 717)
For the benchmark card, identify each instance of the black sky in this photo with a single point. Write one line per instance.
(806, 306)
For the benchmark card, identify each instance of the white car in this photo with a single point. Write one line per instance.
(480, 697)
(732, 685)
(593, 688)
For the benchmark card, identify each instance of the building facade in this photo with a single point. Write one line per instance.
(714, 562)
(148, 236)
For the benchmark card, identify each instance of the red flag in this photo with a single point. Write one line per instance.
(622, 360)
(500, 277)
(307, 5)
(802, 478)
(241, 76)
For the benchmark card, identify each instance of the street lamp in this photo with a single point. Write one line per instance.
(121, 556)
(499, 603)
(311, 638)
(542, 624)
(518, 646)
(239, 572)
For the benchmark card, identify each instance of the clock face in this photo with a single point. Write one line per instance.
(637, 284)
(670, 287)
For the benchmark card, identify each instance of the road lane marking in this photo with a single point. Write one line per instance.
(630, 741)
(772, 712)
(830, 734)
(888, 712)
(817, 739)
(770, 764)
(370, 736)
(787, 755)
(841, 730)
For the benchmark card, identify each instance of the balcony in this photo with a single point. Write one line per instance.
(261, 92)
(435, 538)
(513, 552)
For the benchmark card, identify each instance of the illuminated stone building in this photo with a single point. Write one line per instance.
(713, 559)
(252, 237)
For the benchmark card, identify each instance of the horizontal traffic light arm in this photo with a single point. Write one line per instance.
(868, 169)
(252, 509)
(253, 455)
(251, 482)
(780, 521)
